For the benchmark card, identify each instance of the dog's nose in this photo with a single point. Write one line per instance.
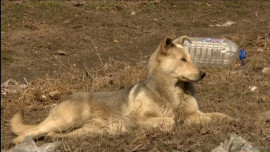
(202, 74)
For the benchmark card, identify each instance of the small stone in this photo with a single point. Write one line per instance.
(253, 88)
(77, 4)
(61, 52)
(132, 13)
(3, 92)
(208, 5)
(266, 116)
(18, 2)
(260, 49)
(266, 70)
(67, 21)
(228, 23)
(157, 1)
(54, 94)
(22, 86)
(43, 98)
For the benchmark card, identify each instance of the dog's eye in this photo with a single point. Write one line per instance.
(183, 59)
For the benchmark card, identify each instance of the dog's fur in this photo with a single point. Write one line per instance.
(155, 102)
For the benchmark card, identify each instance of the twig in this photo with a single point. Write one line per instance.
(134, 60)
(113, 67)
(60, 62)
(96, 50)
(22, 95)
(71, 66)
(25, 80)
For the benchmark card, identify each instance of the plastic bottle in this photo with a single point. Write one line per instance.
(214, 52)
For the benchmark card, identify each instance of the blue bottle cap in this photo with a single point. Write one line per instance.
(242, 56)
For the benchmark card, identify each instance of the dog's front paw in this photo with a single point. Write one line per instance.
(204, 118)
(216, 116)
(50, 136)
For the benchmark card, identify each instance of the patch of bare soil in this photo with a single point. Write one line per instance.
(104, 46)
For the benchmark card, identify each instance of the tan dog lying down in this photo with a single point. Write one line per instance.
(154, 102)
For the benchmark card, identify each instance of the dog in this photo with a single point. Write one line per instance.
(152, 103)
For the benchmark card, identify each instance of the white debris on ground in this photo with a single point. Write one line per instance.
(54, 94)
(226, 24)
(266, 116)
(266, 70)
(260, 50)
(28, 145)
(235, 144)
(132, 13)
(12, 87)
(253, 88)
(61, 52)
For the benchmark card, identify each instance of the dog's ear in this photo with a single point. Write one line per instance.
(181, 40)
(165, 45)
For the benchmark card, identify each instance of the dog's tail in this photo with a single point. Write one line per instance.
(17, 126)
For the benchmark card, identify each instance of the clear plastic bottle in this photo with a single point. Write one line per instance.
(214, 52)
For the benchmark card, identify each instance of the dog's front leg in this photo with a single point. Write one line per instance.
(163, 123)
(193, 115)
(200, 117)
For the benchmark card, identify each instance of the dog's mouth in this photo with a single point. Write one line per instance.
(197, 77)
(188, 80)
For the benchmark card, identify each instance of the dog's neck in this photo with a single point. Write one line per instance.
(164, 86)
(187, 87)
(167, 88)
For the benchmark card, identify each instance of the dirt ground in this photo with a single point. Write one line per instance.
(74, 46)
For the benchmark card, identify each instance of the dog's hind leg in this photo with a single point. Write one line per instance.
(42, 129)
(96, 126)
(73, 134)
(66, 115)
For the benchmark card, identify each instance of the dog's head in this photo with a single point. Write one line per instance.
(174, 61)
